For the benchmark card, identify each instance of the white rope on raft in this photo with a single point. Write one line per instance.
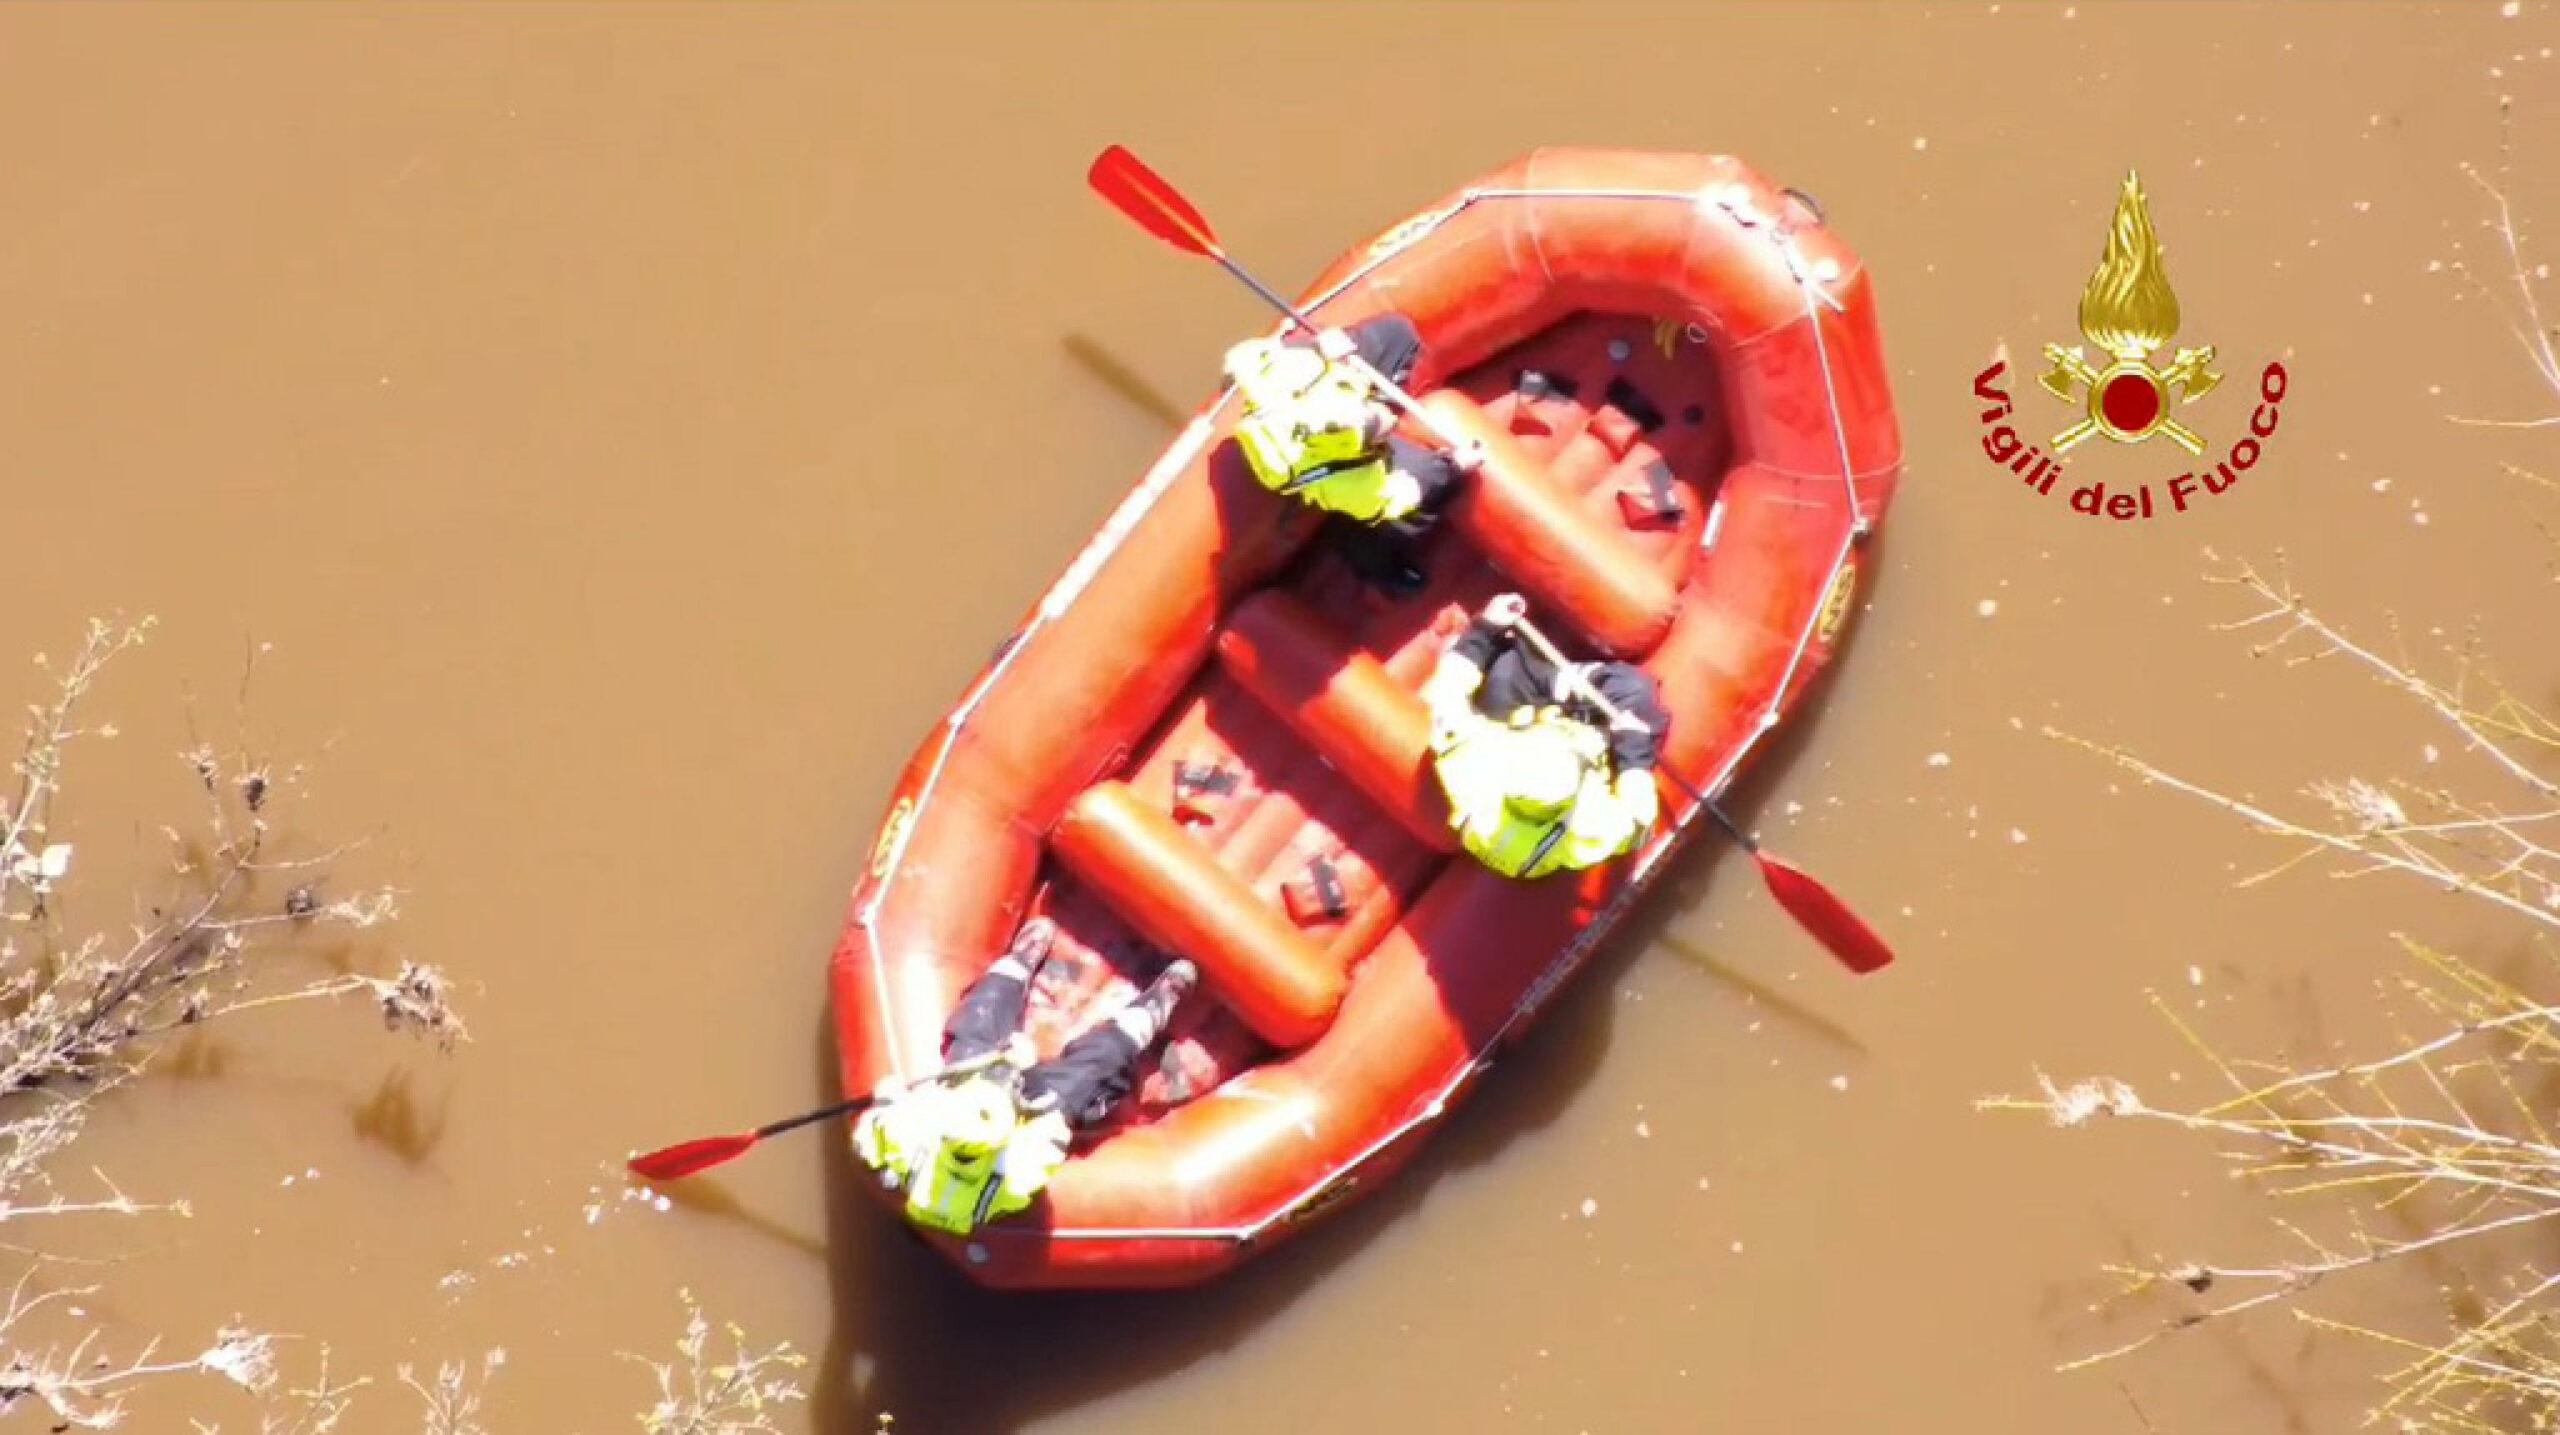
(1080, 571)
(1125, 519)
(1061, 593)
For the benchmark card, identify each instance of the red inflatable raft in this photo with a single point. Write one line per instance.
(1206, 738)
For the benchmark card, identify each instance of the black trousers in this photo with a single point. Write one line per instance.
(1085, 1080)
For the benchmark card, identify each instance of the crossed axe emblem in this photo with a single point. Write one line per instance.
(2128, 400)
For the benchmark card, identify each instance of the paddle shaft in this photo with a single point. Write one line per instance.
(841, 1108)
(852, 1104)
(686, 1158)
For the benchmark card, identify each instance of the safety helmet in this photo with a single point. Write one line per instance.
(975, 1120)
(1542, 768)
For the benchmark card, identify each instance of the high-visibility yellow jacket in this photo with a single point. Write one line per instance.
(1312, 429)
(904, 1137)
(1607, 815)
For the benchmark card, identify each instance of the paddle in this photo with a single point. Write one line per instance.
(1829, 919)
(1159, 208)
(704, 1152)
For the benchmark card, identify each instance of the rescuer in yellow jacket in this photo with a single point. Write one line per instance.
(980, 1147)
(1536, 784)
(1314, 427)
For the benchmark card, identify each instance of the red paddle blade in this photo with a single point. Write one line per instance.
(1825, 916)
(1143, 195)
(686, 1157)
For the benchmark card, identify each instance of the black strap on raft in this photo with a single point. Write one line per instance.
(1191, 778)
(1657, 481)
(1631, 401)
(1327, 881)
(1539, 384)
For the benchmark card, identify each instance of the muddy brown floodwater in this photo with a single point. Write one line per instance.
(632, 427)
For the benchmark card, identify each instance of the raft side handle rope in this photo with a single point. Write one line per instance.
(1431, 1110)
(1577, 951)
(1115, 531)
(1830, 389)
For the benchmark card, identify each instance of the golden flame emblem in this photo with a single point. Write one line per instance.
(2128, 311)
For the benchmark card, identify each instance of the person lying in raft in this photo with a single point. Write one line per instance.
(1535, 783)
(975, 1148)
(1316, 429)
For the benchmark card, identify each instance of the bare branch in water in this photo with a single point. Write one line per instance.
(2531, 331)
(450, 1403)
(2444, 1134)
(228, 931)
(700, 1393)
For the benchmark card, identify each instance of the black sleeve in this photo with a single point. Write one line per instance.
(1632, 751)
(1478, 643)
(1433, 470)
(1634, 692)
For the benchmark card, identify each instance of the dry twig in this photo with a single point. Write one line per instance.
(700, 1394)
(2441, 1144)
(450, 1405)
(81, 1013)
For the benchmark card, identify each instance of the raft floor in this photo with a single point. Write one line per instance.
(1599, 425)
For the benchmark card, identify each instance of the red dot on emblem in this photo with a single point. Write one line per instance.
(2131, 402)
